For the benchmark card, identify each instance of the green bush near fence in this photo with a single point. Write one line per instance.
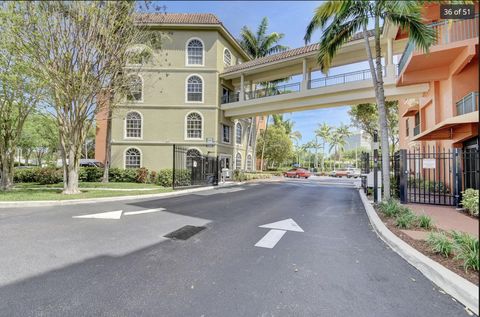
(430, 186)
(241, 176)
(470, 201)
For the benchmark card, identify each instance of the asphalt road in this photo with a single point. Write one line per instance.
(54, 265)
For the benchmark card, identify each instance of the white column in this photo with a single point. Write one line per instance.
(304, 84)
(242, 88)
(389, 59)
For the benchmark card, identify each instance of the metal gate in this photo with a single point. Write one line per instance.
(430, 176)
(190, 168)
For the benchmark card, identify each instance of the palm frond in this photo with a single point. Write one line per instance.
(323, 13)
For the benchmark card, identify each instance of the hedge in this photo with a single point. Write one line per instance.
(47, 175)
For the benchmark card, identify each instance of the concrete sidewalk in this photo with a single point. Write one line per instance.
(447, 218)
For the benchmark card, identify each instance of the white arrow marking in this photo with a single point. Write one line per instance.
(287, 225)
(146, 211)
(270, 239)
(104, 215)
(279, 228)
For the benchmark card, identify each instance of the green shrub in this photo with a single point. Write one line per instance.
(470, 201)
(389, 208)
(127, 175)
(152, 177)
(25, 175)
(41, 175)
(425, 221)
(182, 177)
(90, 174)
(440, 243)
(467, 249)
(405, 219)
(241, 176)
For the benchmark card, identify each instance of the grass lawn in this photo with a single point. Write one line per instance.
(90, 185)
(55, 194)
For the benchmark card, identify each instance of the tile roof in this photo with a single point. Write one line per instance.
(284, 55)
(177, 18)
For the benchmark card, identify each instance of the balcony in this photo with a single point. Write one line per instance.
(467, 104)
(230, 98)
(446, 33)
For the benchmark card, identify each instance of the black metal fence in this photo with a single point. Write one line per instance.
(190, 168)
(430, 176)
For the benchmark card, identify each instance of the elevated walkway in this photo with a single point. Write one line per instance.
(344, 89)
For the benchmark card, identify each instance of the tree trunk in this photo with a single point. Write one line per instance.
(108, 147)
(263, 146)
(382, 113)
(7, 174)
(377, 80)
(71, 186)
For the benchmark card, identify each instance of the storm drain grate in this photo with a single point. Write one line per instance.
(184, 232)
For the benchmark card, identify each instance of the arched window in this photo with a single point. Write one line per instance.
(249, 162)
(194, 126)
(194, 89)
(133, 125)
(227, 57)
(133, 158)
(193, 153)
(195, 52)
(239, 131)
(238, 161)
(135, 88)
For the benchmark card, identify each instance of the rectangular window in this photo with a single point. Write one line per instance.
(407, 127)
(226, 133)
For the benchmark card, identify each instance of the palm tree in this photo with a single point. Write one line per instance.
(324, 132)
(340, 20)
(343, 132)
(258, 45)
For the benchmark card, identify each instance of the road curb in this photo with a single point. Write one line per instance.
(453, 284)
(47, 203)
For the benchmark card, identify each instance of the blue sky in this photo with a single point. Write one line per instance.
(288, 17)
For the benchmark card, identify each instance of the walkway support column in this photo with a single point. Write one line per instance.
(242, 88)
(390, 67)
(304, 85)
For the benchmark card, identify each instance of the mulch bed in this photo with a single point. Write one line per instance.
(423, 247)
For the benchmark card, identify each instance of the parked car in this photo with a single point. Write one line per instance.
(90, 163)
(339, 173)
(297, 173)
(353, 172)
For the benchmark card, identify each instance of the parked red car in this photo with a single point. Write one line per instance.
(297, 173)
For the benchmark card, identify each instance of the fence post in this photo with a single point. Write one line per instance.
(173, 168)
(457, 177)
(375, 166)
(403, 171)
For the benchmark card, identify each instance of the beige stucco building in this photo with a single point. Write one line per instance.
(176, 99)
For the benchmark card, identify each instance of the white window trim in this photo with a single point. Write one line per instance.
(125, 126)
(241, 158)
(223, 124)
(186, 89)
(185, 126)
(194, 148)
(125, 156)
(249, 155)
(241, 136)
(143, 90)
(231, 57)
(186, 52)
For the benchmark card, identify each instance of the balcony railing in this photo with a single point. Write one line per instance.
(272, 91)
(467, 104)
(416, 130)
(445, 32)
(230, 98)
(341, 78)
